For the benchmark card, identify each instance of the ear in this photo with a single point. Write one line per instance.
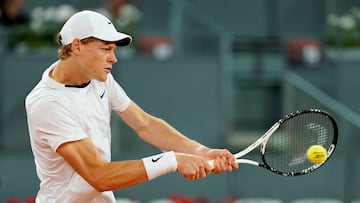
(75, 46)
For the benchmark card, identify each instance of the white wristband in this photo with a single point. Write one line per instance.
(160, 164)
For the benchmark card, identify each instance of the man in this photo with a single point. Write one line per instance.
(69, 114)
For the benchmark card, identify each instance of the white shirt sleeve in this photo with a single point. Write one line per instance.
(118, 98)
(53, 124)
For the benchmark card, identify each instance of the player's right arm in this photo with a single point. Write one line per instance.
(85, 159)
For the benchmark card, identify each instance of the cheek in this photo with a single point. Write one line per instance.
(93, 60)
(96, 66)
(93, 56)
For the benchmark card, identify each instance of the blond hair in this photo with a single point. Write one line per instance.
(64, 52)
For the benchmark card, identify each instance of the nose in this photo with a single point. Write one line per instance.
(112, 58)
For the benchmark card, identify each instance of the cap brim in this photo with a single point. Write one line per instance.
(120, 38)
(124, 42)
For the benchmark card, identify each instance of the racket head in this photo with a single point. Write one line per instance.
(284, 152)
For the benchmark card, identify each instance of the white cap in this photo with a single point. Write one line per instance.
(86, 24)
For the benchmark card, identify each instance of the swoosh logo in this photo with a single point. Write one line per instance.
(156, 159)
(102, 95)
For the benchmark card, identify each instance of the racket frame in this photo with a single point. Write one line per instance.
(265, 137)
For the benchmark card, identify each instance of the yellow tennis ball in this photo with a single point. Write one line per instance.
(316, 154)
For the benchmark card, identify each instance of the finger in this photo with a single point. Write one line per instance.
(195, 176)
(217, 167)
(189, 178)
(202, 173)
(207, 171)
(229, 165)
(207, 166)
(236, 166)
(223, 165)
(232, 163)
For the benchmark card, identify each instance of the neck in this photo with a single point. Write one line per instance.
(68, 73)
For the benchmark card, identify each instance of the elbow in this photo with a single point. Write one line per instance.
(102, 182)
(143, 129)
(99, 186)
(98, 183)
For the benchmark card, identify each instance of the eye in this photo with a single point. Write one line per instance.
(108, 48)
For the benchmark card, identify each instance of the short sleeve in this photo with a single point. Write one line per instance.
(118, 98)
(54, 124)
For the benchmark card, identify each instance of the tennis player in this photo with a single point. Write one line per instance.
(69, 112)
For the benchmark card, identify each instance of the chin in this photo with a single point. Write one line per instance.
(102, 79)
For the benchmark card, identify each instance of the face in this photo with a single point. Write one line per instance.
(96, 59)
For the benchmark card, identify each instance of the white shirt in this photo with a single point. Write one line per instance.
(57, 114)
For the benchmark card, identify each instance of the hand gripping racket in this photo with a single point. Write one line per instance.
(283, 147)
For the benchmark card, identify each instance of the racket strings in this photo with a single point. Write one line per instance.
(286, 149)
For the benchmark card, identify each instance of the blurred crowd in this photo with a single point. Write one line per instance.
(36, 27)
(12, 13)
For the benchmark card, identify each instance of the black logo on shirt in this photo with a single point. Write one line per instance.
(102, 95)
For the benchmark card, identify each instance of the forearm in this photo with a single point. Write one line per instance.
(159, 133)
(162, 135)
(116, 175)
(85, 159)
(165, 137)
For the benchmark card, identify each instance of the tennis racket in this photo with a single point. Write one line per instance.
(283, 147)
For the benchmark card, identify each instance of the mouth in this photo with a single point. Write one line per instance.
(108, 69)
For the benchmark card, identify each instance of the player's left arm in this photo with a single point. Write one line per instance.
(161, 134)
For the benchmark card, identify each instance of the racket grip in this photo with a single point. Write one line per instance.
(211, 163)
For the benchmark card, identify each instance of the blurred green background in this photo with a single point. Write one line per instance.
(221, 72)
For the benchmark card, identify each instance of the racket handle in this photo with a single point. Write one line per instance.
(211, 163)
